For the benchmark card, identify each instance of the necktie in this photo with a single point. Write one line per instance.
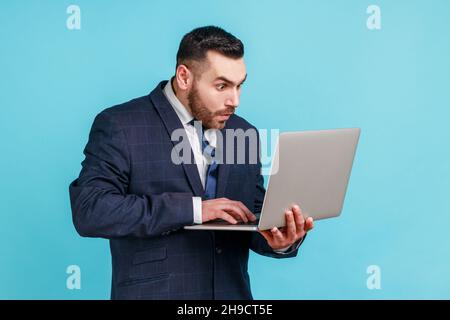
(213, 167)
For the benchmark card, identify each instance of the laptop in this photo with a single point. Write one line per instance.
(309, 168)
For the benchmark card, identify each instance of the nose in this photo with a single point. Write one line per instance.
(233, 99)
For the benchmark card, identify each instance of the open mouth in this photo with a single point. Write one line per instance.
(225, 116)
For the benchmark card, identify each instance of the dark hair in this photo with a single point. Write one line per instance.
(199, 41)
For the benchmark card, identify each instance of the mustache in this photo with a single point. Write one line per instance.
(225, 112)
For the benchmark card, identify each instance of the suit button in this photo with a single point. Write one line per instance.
(218, 250)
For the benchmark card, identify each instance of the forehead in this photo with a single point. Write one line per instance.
(221, 66)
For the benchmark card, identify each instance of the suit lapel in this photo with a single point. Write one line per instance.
(171, 123)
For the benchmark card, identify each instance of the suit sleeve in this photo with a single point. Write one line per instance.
(258, 243)
(101, 206)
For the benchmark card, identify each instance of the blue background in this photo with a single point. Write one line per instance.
(311, 65)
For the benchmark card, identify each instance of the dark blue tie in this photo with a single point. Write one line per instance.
(211, 175)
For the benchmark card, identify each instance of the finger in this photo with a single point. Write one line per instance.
(309, 224)
(245, 210)
(290, 225)
(227, 217)
(248, 213)
(299, 219)
(242, 208)
(235, 215)
(277, 235)
(296, 209)
(235, 211)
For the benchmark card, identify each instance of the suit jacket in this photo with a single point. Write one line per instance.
(130, 192)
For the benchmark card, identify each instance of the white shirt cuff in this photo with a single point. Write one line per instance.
(282, 249)
(197, 205)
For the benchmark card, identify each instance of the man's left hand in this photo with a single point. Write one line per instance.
(295, 229)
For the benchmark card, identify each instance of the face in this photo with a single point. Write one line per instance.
(215, 93)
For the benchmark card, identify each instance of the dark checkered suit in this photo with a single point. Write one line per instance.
(130, 192)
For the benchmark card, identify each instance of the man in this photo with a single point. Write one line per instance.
(132, 192)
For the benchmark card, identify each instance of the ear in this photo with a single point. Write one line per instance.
(184, 77)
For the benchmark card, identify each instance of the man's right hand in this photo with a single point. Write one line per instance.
(226, 209)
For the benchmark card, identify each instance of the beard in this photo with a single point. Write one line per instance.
(202, 113)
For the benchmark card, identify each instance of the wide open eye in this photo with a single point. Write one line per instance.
(221, 86)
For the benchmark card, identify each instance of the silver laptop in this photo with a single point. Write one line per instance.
(309, 168)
